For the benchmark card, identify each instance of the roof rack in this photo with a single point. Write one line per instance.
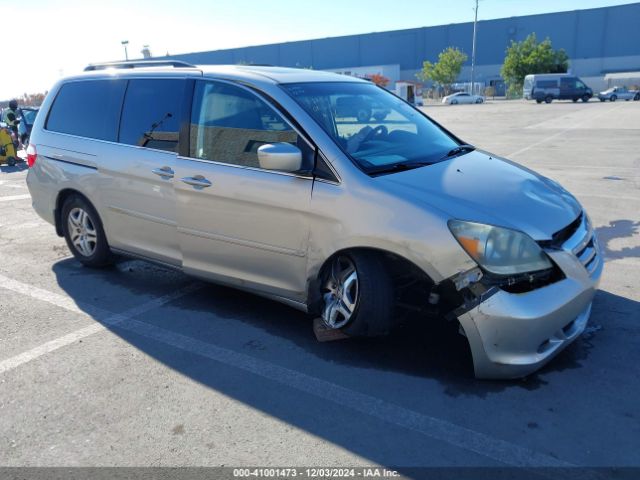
(138, 64)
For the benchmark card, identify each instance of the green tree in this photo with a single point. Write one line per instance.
(528, 57)
(446, 70)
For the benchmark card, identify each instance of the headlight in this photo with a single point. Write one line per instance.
(499, 250)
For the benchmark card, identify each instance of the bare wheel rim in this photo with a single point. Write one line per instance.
(341, 293)
(82, 232)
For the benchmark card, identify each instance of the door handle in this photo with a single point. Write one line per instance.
(197, 181)
(164, 172)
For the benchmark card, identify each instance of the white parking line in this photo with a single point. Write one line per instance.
(105, 318)
(5, 183)
(10, 198)
(456, 435)
(562, 132)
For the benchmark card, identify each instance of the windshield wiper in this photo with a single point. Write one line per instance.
(397, 167)
(464, 148)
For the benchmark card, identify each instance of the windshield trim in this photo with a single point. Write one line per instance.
(393, 167)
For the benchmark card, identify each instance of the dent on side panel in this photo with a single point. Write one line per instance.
(358, 215)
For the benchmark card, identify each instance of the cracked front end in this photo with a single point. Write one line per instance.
(512, 332)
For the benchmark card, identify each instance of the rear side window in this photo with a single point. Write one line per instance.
(151, 113)
(88, 109)
(547, 84)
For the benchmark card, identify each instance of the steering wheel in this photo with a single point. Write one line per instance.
(379, 131)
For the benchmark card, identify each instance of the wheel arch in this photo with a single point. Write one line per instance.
(393, 261)
(63, 195)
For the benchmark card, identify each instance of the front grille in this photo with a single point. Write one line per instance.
(583, 243)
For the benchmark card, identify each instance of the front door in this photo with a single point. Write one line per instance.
(238, 223)
(568, 88)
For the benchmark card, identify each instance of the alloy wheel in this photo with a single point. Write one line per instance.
(340, 293)
(82, 232)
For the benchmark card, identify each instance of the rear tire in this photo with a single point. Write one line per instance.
(84, 233)
(637, 97)
(539, 101)
(613, 98)
(358, 295)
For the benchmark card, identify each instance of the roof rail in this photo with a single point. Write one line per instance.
(138, 64)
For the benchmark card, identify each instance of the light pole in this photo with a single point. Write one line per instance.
(473, 51)
(124, 44)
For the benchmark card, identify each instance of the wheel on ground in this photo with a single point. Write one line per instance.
(11, 161)
(454, 102)
(84, 233)
(548, 99)
(575, 100)
(637, 97)
(358, 295)
(613, 98)
(602, 99)
(586, 98)
(538, 100)
(479, 100)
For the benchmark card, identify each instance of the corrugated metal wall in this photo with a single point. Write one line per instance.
(588, 36)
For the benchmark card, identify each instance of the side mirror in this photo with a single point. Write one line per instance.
(282, 157)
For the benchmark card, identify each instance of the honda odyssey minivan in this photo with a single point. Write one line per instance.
(251, 177)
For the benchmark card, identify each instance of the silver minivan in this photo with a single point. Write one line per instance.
(249, 176)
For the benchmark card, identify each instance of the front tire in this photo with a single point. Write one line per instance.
(358, 295)
(548, 99)
(84, 233)
(613, 98)
(586, 98)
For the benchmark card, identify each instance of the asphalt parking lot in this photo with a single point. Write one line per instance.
(136, 365)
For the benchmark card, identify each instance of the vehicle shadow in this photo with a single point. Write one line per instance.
(618, 229)
(424, 351)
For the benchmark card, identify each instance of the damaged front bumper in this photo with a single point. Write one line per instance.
(511, 335)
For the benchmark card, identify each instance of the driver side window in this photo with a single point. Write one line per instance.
(229, 123)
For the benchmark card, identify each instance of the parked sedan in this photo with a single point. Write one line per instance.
(619, 93)
(462, 97)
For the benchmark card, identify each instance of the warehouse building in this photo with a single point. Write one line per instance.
(599, 41)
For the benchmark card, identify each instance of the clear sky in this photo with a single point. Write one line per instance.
(59, 37)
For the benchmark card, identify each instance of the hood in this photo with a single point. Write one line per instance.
(485, 189)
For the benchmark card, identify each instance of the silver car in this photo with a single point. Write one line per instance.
(248, 177)
(619, 93)
(461, 98)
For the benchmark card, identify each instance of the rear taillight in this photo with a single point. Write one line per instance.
(31, 155)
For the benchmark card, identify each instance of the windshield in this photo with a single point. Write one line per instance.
(29, 116)
(375, 128)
